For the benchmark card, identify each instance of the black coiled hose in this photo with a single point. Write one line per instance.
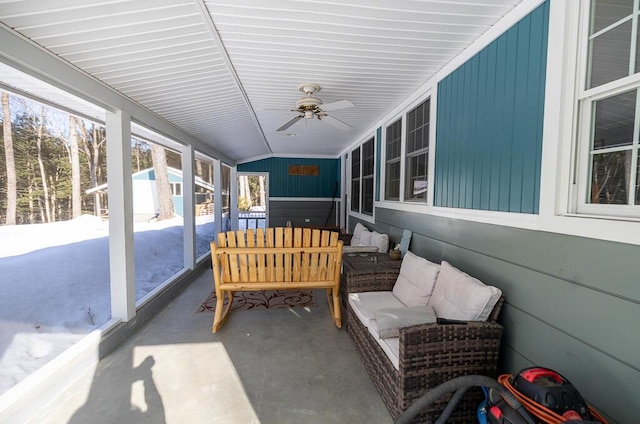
(460, 385)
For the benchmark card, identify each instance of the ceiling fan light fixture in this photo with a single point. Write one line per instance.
(308, 114)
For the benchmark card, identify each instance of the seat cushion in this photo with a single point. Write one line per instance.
(389, 321)
(416, 280)
(365, 238)
(366, 304)
(460, 296)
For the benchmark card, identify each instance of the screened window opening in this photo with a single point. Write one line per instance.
(393, 148)
(417, 153)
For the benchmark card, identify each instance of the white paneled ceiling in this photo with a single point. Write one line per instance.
(227, 71)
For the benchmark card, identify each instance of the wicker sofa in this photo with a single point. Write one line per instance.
(427, 354)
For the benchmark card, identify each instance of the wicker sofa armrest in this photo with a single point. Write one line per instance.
(470, 348)
(371, 280)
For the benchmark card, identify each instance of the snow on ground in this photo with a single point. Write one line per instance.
(54, 280)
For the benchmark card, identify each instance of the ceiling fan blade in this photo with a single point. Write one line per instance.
(335, 122)
(340, 104)
(289, 123)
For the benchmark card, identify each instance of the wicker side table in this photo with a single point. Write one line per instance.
(363, 272)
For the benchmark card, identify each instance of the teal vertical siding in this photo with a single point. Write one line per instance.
(283, 185)
(378, 158)
(489, 123)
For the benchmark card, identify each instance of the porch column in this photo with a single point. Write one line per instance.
(188, 207)
(121, 244)
(217, 196)
(233, 198)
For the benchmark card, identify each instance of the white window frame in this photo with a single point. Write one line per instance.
(400, 159)
(407, 155)
(586, 100)
(559, 178)
(361, 179)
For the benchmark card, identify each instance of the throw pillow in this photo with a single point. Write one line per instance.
(460, 296)
(365, 238)
(357, 230)
(381, 241)
(389, 321)
(415, 282)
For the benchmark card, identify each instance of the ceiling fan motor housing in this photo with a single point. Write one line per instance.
(308, 103)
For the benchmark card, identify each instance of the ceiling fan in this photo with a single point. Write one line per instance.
(309, 107)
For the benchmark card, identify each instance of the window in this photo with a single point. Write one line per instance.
(417, 153)
(610, 115)
(393, 146)
(362, 171)
(355, 180)
(176, 189)
(368, 163)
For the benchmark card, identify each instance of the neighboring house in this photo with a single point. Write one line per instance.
(145, 195)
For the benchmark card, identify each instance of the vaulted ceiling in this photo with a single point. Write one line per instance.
(228, 71)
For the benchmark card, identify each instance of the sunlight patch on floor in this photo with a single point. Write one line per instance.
(175, 372)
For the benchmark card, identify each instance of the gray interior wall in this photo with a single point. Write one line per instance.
(299, 211)
(572, 303)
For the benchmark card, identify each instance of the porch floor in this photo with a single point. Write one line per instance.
(274, 366)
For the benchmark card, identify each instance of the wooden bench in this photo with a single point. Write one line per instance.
(276, 259)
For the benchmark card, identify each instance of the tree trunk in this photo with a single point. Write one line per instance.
(12, 190)
(43, 175)
(263, 200)
(165, 201)
(76, 196)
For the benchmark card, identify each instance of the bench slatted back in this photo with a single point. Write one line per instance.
(301, 255)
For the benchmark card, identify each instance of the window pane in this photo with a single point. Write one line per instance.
(204, 187)
(367, 195)
(392, 186)
(416, 184)
(613, 123)
(157, 214)
(355, 195)
(610, 55)
(226, 197)
(368, 158)
(607, 12)
(54, 235)
(610, 174)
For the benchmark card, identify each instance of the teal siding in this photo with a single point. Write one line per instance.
(489, 123)
(283, 185)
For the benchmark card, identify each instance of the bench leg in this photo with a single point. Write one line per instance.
(333, 299)
(222, 313)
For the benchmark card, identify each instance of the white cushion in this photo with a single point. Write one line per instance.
(391, 348)
(366, 304)
(389, 321)
(462, 297)
(357, 230)
(381, 241)
(359, 249)
(365, 238)
(416, 280)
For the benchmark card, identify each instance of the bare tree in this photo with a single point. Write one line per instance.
(12, 190)
(163, 187)
(91, 146)
(43, 175)
(74, 158)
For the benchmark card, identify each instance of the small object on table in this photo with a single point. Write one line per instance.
(394, 254)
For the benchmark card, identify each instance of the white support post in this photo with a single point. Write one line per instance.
(188, 207)
(217, 195)
(121, 243)
(233, 198)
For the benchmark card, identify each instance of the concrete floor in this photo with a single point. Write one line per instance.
(275, 366)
